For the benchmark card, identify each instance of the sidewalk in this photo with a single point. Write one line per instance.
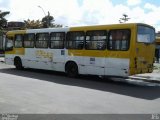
(156, 67)
(149, 77)
(153, 78)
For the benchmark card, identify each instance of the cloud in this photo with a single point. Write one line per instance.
(150, 6)
(151, 16)
(21, 10)
(133, 2)
(4, 5)
(88, 12)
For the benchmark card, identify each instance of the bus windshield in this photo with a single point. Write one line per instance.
(145, 34)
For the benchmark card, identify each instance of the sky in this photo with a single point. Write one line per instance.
(84, 12)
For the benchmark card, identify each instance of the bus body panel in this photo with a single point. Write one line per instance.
(144, 55)
(94, 62)
(2, 44)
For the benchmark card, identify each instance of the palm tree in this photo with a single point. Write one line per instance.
(3, 21)
(47, 20)
(33, 24)
(124, 19)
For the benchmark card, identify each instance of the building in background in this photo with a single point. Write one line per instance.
(15, 25)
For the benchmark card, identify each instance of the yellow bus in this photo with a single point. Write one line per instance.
(157, 40)
(157, 51)
(103, 50)
(2, 44)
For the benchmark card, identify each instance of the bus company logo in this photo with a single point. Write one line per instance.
(44, 54)
(9, 117)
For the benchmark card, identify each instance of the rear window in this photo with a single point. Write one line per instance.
(145, 34)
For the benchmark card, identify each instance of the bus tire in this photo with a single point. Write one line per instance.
(71, 69)
(18, 63)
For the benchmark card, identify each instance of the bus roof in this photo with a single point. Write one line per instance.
(109, 26)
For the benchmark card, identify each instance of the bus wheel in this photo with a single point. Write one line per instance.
(71, 69)
(18, 63)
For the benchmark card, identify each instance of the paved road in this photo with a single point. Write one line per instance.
(38, 91)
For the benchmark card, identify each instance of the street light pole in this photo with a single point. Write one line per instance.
(42, 10)
(47, 16)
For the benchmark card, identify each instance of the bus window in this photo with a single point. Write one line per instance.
(42, 40)
(9, 43)
(57, 40)
(29, 40)
(75, 40)
(96, 40)
(145, 34)
(18, 43)
(119, 40)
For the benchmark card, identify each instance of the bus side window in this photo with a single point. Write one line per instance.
(119, 40)
(42, 40)
(18, 43)
(75, 40)
(29, 40)
(96, 40)
(57, 40)
(9, 43)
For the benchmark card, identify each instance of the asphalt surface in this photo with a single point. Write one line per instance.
(39, 91)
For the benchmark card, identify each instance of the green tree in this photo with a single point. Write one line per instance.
(3, 21)
(33, 24)
(48, 21)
